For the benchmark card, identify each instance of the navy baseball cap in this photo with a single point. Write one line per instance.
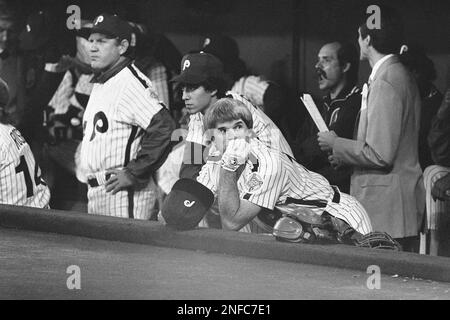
(186, 205)
(198, 67)
(112, 26)
(223, 47)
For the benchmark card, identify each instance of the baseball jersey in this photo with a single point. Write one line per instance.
(118, 113)
(253, 88)
(116, 116)
(265, 130)
(20, 176)
(271, 178)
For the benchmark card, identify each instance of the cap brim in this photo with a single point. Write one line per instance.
(102, 31)
(83, 32)
(188, 78)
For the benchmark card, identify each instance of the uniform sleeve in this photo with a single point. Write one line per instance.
(385, 111)
(208, 176)
(158, 77)
(264, 186)
(137, 105)
(196, 130)
(2, 157)
(156, 145)
(193, 157)
(439, 136)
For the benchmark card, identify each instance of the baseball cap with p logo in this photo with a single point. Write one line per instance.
(198, 67)
(186, 205)
(112, 26)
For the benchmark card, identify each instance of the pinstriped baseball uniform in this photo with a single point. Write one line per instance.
(266, 131)
(20, 176)
(253, 88)
(434, 207)
(272, 178)
(118, 112)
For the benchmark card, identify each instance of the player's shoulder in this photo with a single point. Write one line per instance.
(239, 97)
(5, 129)
(135, 77)
(136, 82)
(267, 158)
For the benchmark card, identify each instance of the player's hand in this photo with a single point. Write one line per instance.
(119, 180)
(335, 162)
(326, 140)
(236, 154)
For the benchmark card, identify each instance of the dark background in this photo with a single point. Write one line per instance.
(277, 38)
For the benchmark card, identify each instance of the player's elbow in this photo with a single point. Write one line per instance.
(231, 224)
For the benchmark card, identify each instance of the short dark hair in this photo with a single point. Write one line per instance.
(347, 53)
(389, 38)
(416, 60)
(210, 84)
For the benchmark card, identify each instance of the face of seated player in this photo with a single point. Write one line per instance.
(227, 131)
(329, 71)
(196, 98)
(105, 52)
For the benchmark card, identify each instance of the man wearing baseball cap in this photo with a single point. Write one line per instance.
(203, 82)
(127, 131)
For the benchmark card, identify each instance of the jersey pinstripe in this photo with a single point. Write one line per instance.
(271, 178)
(117, 114)
(266, 131)
(20, 176)
(253, 88)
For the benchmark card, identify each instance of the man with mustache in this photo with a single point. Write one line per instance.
(337, 71)
(387, 177)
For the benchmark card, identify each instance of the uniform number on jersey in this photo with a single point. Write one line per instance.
(100, 124)
(23, 167)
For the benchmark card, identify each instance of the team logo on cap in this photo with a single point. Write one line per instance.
(188, 203)
(98, 20)
(186, 64)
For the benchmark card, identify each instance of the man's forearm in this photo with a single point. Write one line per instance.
(228, 197)
(359, 154)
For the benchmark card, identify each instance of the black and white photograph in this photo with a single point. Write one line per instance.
(224, 156)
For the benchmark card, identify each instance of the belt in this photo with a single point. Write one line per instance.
(317, 203)
(93, 182)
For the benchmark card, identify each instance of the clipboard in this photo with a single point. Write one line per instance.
(314, 112)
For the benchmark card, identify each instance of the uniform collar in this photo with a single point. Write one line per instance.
(102, 77)
(343, 95)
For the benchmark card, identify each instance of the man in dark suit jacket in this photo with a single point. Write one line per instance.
(387, 178)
